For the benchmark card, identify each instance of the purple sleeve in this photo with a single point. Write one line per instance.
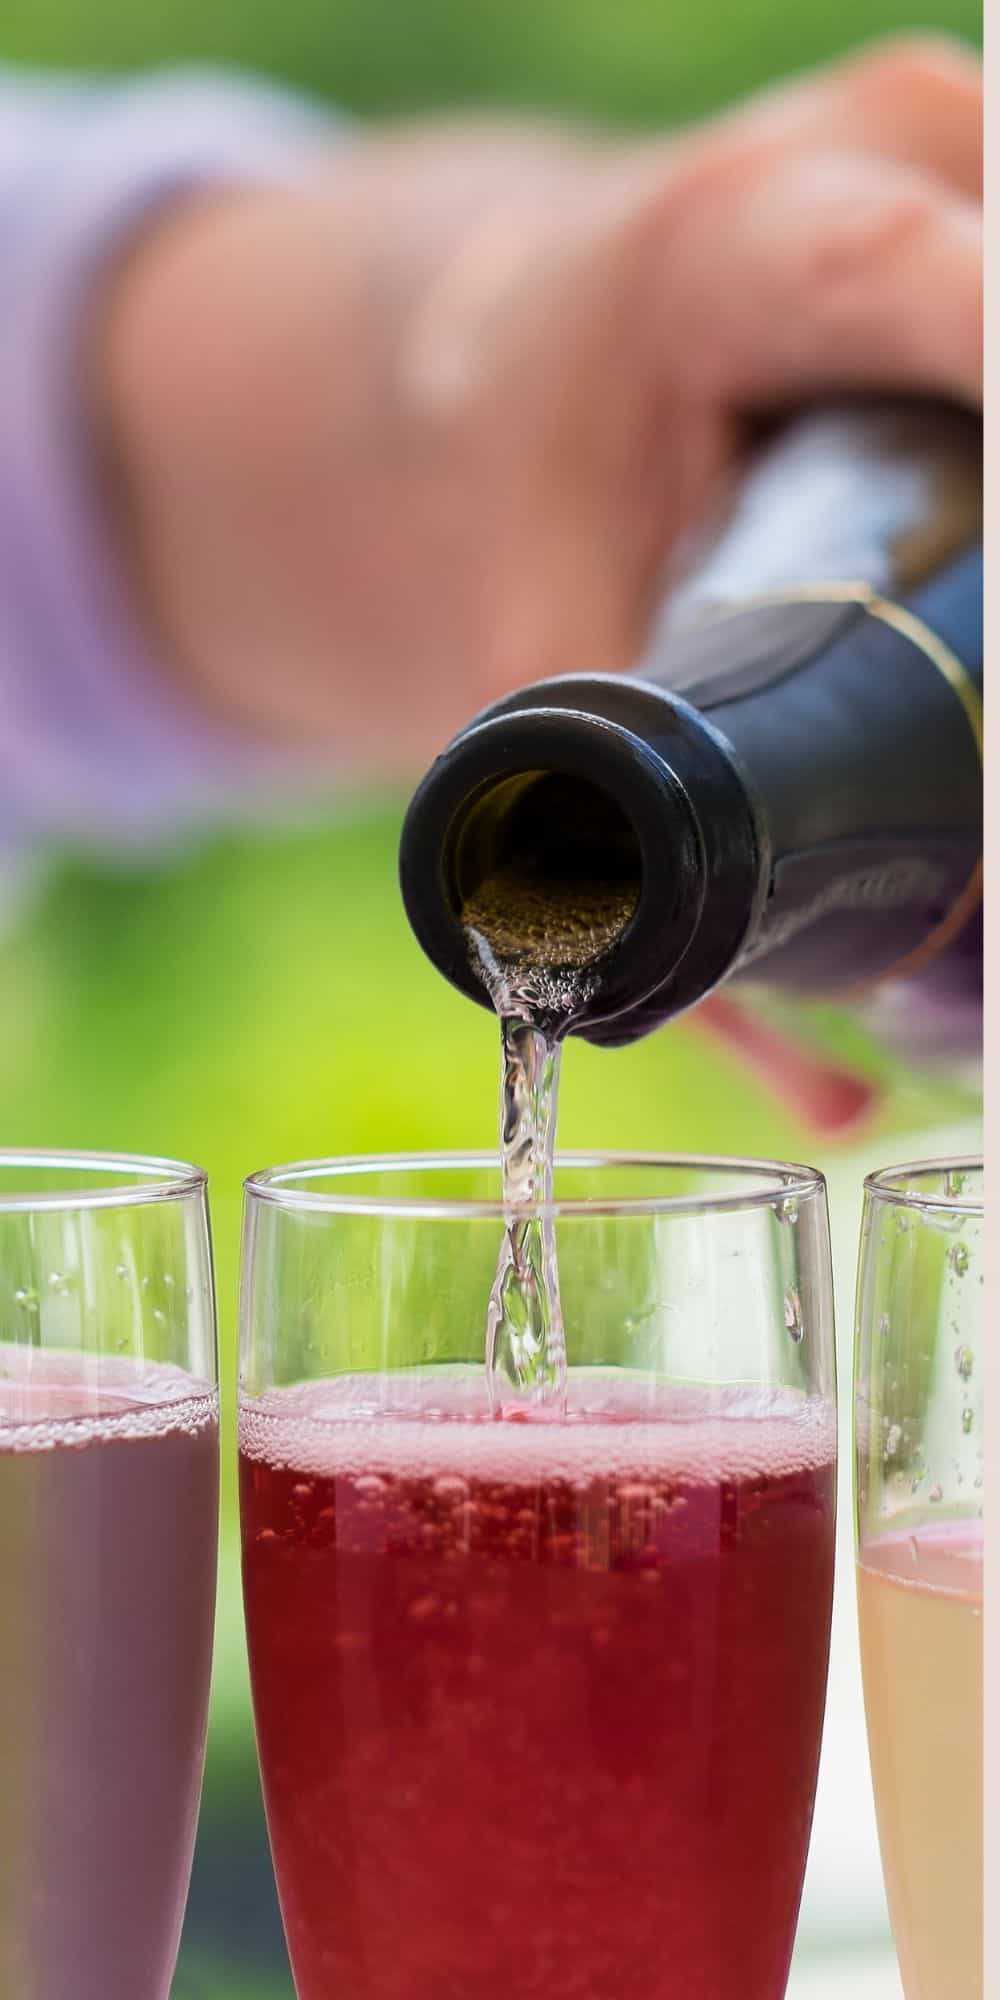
(95, 748)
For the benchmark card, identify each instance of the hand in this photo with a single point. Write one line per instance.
(429, 425)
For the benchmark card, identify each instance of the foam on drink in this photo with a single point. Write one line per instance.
(440, 1421)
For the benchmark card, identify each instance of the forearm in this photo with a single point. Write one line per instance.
(231, 378)
(432, 425)
(315, 405)
(311, 458)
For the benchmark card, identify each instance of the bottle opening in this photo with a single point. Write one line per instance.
(547, 868)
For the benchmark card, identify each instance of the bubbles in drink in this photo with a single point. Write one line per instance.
(964, 1362)
(518, 1652)
(793, 1315)
(958, 1258)
(547, 923)
(451, 1489)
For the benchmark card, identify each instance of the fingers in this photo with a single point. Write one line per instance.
(881, 274)
(915, 99)
(919, 101)
(837, 272)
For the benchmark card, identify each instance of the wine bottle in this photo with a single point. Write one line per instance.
(787, 789)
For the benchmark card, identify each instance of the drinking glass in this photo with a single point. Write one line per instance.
(108, 1531)
(919, 1430)
(538, 1696)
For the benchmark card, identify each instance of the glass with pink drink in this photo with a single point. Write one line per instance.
(538, 1682)
(108, 1533)
(919, 1494)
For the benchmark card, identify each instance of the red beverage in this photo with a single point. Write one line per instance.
(538, 1704)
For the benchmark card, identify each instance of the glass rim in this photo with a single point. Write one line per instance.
(146, 1178)
(881, 1185)
(775, 1181)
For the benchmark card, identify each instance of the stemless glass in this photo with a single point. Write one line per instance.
(108, 1533)
(538, 1697)
(919, 1434)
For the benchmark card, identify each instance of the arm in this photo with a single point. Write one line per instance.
(434, 424)
(97, 745)
(312, 457)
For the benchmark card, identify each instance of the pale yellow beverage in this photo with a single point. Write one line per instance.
(920, 1599)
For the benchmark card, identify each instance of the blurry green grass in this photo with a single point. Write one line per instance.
(636, 61)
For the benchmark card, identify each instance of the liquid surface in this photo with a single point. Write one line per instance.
(920, 1600)
(546, 923)
(558, 1682)
(108, 1529)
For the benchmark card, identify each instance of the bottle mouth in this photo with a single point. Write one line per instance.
(565, 840)
(547, 868)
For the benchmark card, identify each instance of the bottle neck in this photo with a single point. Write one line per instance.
(815, 824)
(865, 749)
(795, 782)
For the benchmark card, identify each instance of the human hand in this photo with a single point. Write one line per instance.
(430, 425)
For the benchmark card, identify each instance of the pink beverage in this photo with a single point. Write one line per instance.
(538, 1703)
(920, 1600)
(108, 1509)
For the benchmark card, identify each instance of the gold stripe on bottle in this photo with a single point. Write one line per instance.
(956, 673)
(934, 648)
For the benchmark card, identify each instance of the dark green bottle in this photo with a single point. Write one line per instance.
(789, 787)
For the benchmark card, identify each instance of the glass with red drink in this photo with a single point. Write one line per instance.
(538, 1692)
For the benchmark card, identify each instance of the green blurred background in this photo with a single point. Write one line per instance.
(261, 999)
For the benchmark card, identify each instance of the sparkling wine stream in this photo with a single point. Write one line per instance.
(536, 945)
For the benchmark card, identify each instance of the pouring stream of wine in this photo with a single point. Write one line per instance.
(534, 946)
